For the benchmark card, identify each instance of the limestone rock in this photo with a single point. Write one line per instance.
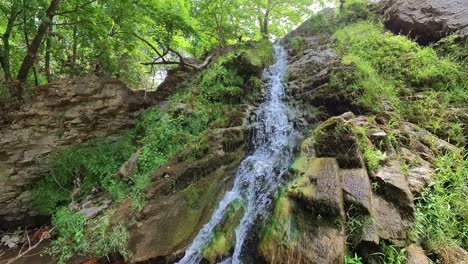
(425, 20)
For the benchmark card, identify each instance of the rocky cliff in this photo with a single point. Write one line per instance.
(60, 115)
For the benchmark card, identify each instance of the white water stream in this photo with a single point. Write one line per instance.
(259, 174)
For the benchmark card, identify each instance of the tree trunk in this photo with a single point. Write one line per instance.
(5, 54)
(266, 21)
(74, 49)
(264, 29)
(48, 73)
(36, 43)
(26, 40)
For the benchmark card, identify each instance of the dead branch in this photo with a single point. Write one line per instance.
(40, 234)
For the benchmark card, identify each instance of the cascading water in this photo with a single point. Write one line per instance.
(259, 174)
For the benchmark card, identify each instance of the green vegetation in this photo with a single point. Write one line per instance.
(388, 72)
(81, 169)
(141, 37)
(73, 239)
(353, 260)
(224, 234)
(356, 223)
(158, 137)
(441, 209)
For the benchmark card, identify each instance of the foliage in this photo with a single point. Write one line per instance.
(385, 72)
(356, 223)
(74, 239)
(353, 260)
(441, 208)
(384, 63)
(390, 254)
(352, 11)
(71, 236)
(136, 34)
(92, 164)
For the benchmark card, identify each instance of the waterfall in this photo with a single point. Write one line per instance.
(259, 174)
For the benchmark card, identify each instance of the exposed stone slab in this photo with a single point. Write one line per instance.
(425, 20)
(357, 187)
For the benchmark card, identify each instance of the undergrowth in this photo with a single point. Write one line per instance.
(386, 72)
(441, 208)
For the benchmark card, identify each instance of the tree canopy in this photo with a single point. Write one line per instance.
(43, 40)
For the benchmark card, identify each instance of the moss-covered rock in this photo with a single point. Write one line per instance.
(335, 138)
(224, 236)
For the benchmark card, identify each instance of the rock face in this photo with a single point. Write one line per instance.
(426, 20)
(61, 114)
(328, 203)
(182, 197)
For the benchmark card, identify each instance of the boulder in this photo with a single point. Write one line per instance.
(426, 21)
(60, 114)
(415, 255)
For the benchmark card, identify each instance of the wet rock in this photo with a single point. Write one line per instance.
(183, 196)
(415, 255)
(60, 115)
(424, 20)
(357, 188)
(393, 185)
(319, 188)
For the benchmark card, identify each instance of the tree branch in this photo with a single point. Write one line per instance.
(76, 8)
(149, 45)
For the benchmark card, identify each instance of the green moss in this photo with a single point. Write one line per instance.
(335, 138)
(280, 230)
(299, 164)
(193, 193)
(373, 156)
(298, 44)
(223, 239)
